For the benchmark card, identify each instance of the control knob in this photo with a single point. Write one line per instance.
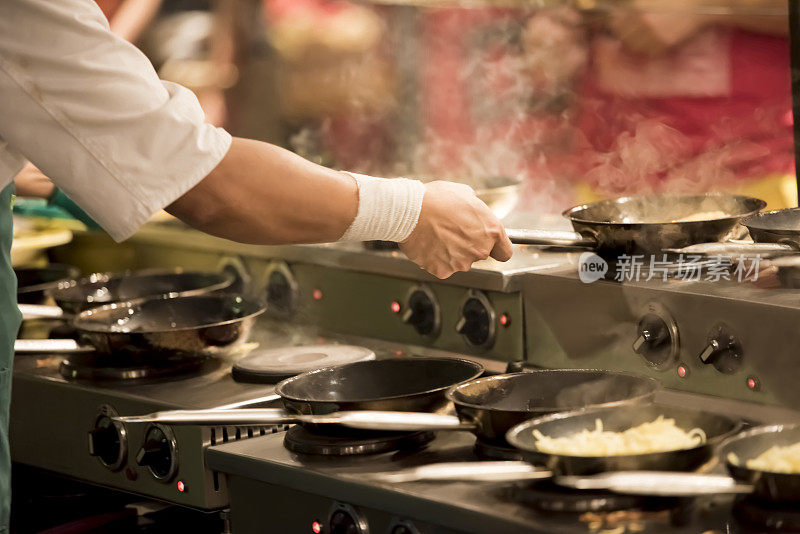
(477, 323)
(723, 350)
(422, 311)
(657, 336)
(345, 520)
(159, 453)
(282, 289)
(108, 440)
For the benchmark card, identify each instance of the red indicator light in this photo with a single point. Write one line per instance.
(683, 371)
(317, 294)
(505, 320)
(181, 486)
(316, 527)
(395, 307)
(753, 383)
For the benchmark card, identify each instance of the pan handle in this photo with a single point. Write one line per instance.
(733, 249)
(363, 419)
(266, 416)
(504, 471)
(41, 346)
(41, 311)
(399, 421)
(249, 402)
(656, 483)
(550, 238)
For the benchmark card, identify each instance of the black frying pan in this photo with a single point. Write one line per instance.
(768, 486)
(659, 473)
(494, 404)
(488, 406)
(647, 224)
(778, 226)
(200, 325)
(339, 394)
(716, 427)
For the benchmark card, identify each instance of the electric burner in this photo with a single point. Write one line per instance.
(758, 516)
(96, 367)
(355, 443)
(546, 496)
(271, 366)
(494, 451)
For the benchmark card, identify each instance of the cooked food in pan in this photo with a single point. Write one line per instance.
(703, 216)
(659, 435)
(776, 459)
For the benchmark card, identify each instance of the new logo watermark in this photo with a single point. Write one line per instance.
(591, 267)
(689, 267)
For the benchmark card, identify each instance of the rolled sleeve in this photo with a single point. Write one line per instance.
(88, 109)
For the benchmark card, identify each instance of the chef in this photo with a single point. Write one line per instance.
(87, 109)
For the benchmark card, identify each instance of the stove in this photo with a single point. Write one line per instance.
(305, 490)
(728, 346)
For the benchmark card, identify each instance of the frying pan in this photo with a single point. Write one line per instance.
(76, 295)
(767, 486)
(199, 325)
(778, 226)
(649, 474)
(335, 394)
(34, 282)
(488, 406)
(645, 224)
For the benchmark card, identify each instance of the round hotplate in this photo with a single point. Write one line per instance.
(273, 365)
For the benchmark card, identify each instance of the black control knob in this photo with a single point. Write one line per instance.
(344, 522)
(281, 290)
(723, 350)
(422, 311)
(158, 453)
(656, 336)
(477, 321)
(108, 442)
(404, 529)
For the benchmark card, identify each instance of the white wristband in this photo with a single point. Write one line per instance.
(388, 208)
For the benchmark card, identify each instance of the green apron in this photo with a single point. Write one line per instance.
(9, 325)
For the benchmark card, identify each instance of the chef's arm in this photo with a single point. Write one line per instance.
(263, 194)
(260, 193)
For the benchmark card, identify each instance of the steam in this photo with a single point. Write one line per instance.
(484, 95)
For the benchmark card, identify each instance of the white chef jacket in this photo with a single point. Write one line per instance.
(87, 108)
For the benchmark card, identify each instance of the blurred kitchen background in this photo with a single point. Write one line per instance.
(561, 101)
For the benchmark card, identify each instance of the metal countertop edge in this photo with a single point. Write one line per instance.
(400, 503)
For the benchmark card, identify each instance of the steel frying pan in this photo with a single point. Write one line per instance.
(336, 394)
(199, 325)
(777, 226)
(487, 406)
(34, 282)
(76, 295)
(648, 223)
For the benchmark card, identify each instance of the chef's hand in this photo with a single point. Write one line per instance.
(455, 229)
(32, 183)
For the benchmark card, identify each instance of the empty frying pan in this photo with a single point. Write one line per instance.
(336, 394)
(73, 296)
(207, 325)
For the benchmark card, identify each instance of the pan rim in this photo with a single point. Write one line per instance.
(749, 433)
(449, 394)
(748, 220)
(81, 323)
(569, 213)
(66, 284)
(715, 442)
(478, 370)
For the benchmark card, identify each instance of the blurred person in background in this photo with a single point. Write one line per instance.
(678, 98)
